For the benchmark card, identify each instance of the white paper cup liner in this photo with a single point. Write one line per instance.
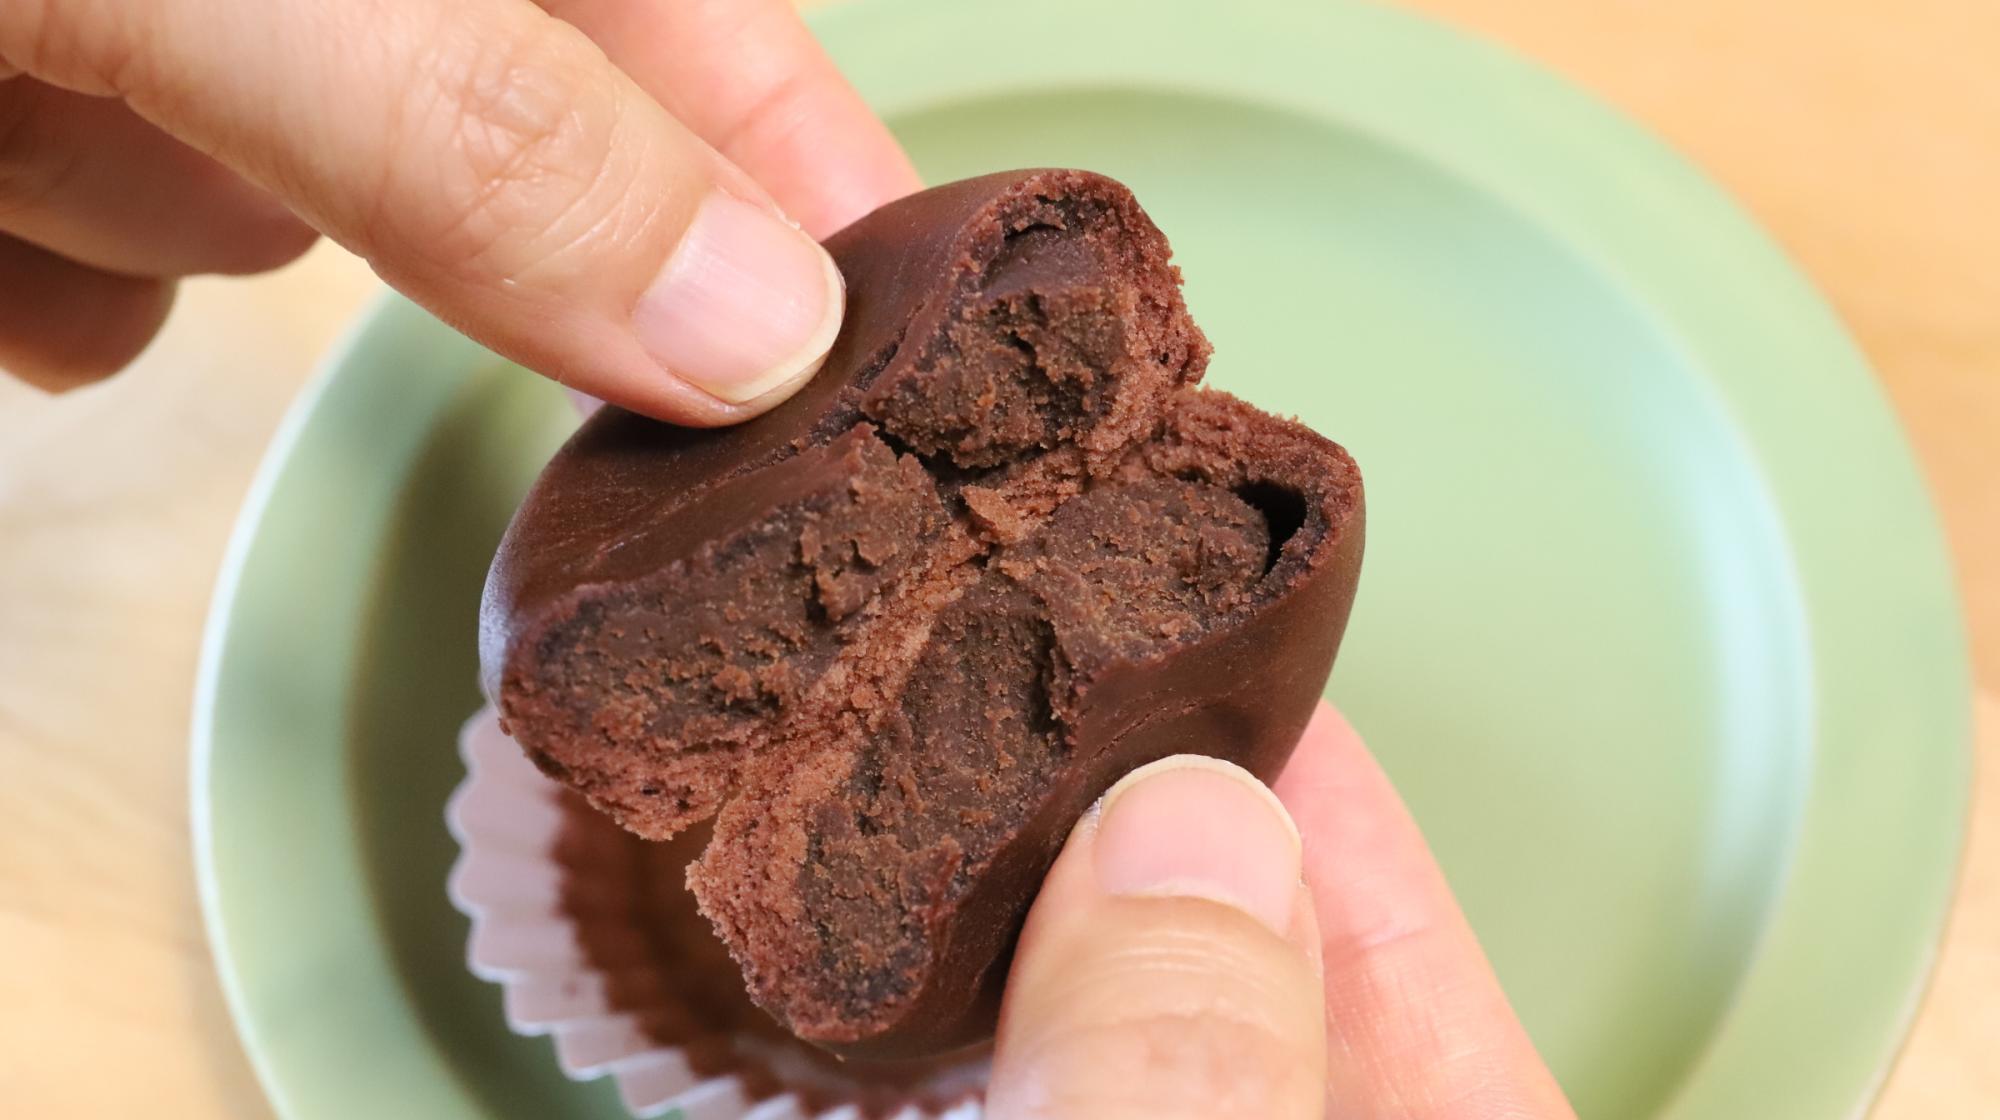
(589, 931)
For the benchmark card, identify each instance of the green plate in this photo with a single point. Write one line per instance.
(1657, 633)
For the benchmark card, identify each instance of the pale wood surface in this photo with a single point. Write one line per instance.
(1865, 136)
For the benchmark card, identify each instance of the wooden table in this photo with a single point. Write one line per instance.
(1865, 137)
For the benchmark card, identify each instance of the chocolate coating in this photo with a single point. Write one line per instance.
(894, 636)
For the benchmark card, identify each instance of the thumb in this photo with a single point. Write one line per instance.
(1169, 967)
(489, 161)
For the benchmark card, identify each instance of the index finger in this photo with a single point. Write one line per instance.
(749, 78)
(1417, 1026)
(492, 164)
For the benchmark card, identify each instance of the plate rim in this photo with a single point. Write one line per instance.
(381, 303)
(1688, 192)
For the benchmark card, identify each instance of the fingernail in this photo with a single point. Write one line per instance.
(1189, 826)
(747, 303)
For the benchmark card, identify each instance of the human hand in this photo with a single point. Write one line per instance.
(1175, 966)
(590, 187)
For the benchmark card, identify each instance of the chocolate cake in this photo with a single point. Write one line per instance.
(894, 636)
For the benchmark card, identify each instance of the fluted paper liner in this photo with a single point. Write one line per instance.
(592, 935)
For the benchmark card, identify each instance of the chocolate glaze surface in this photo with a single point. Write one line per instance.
(893, 637)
